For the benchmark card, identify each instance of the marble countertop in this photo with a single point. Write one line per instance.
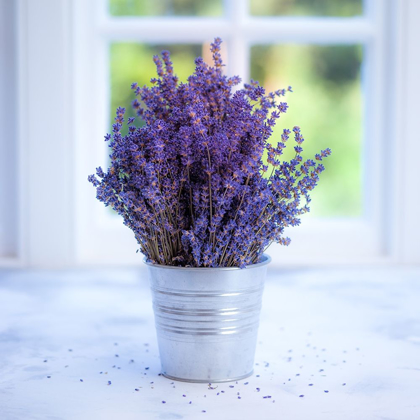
(339, 344)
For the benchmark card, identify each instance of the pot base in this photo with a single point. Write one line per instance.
(205, 381)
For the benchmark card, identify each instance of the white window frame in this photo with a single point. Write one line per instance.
(71, 227)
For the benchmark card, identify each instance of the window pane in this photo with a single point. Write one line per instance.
(340, 8)
(165, 8)
(327, 105)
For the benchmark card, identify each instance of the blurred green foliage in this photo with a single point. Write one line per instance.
(342, 8)
(327, 105)
(166, 7)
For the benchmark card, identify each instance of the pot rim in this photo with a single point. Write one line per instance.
(266, 260)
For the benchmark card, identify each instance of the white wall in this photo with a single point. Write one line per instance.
(46, 131)
(8, 132)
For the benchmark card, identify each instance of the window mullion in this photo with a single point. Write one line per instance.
(238, 46)
(167, 30)
(309, 30)
(188, 29)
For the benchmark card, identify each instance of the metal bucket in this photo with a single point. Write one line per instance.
(207, 320)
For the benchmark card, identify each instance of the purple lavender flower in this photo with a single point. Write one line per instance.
(200, 183)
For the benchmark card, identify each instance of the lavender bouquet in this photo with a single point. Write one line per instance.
(199, 184)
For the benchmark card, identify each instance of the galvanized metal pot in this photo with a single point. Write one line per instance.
(207, 320)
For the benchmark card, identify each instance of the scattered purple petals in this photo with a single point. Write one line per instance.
(81, 380)
(48, 376)
(163, 402)
(203, 411)
(109, 382)
(258, 389)
(311, 385)
(326, 391)
(132, 361)
(344, 384)
(136, 389)
(321, 370)
(45, 361)
(146, 368)
(190, 402)
(301, 396)
(267, 396)
(231, 386)
(246, 383)
(117, 355)
(183, 395)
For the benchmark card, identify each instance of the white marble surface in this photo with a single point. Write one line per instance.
(352, 332)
